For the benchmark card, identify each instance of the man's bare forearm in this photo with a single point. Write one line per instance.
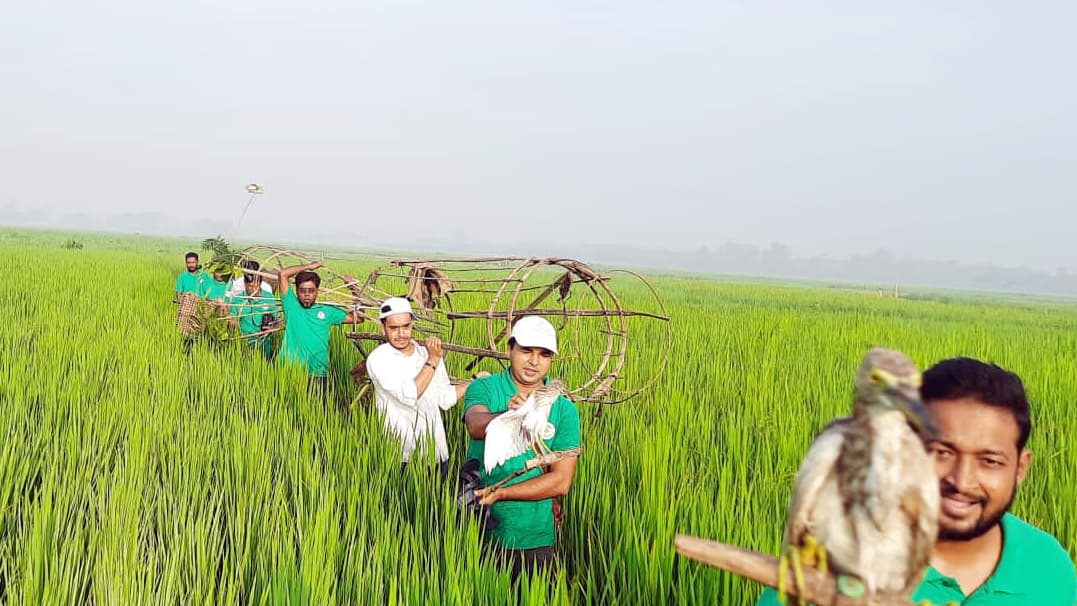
(555, 483)
(476, 419)
(289, 272)
(423, 379)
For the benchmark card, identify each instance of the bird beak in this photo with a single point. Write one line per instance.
(916, 412)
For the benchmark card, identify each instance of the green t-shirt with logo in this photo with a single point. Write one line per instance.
(214, 290)
(1033, 570)
(520, 524)
(306, 333)
(188, 282)
(251, 308)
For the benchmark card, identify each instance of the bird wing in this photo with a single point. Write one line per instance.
(817, 467)
(920, 503)
(535, 421)
(504, 439)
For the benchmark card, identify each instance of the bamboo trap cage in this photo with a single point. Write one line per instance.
(820, 588)
(471, 304)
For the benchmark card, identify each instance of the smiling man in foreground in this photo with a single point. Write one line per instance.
(984, 555)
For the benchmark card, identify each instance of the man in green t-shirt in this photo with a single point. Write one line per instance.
(255, 313)
(984, 556)
(191, 280)
(523, 508)
(307, 322)
(215, 290)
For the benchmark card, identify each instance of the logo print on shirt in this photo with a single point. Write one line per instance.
(549, 431)
(321, 315)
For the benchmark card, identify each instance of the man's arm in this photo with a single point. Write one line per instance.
(476, 419)
(554, 483)
(479, 416)
(288, 273)
(461, 388)
(430, 367)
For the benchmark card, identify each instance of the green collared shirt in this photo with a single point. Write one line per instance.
(521, 524)
(1033, 570)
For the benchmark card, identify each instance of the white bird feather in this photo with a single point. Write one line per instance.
(512, 433)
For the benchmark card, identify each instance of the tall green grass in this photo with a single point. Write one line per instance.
(133, 473)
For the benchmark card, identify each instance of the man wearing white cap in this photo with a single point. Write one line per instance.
(524, 508)
(411, 384)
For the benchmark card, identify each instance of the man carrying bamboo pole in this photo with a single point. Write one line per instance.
(411, 385)
(524, 508)
(307, 322)
(984, 555)
(253, 314)
(238, 286)
(216, 291)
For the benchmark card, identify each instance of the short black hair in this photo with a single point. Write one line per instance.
(957, 378)
(190, 254)
(308, 276)
(251, 264)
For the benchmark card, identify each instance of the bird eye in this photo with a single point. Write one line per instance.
(876, 377)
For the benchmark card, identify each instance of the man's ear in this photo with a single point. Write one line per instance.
(1022, 464)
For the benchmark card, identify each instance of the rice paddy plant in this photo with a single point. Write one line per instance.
(133, 472)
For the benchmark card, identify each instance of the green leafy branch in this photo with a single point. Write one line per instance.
(225, 259)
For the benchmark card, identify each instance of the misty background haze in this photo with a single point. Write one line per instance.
(919, 142)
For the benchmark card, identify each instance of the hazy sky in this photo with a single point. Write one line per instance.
(934, 129)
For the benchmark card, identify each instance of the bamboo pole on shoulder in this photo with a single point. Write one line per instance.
(819, 588)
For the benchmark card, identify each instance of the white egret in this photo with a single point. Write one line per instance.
(513, 432)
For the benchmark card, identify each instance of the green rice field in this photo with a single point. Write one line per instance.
(133, 473)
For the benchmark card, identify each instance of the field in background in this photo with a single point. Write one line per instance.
(131, 473)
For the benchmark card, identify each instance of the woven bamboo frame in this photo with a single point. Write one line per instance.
(508, 288)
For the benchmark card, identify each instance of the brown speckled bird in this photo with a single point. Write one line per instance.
(866, 501)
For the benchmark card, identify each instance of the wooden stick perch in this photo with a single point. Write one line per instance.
(820, 589)
(539, 461)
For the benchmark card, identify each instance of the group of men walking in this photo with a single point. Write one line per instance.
(412, 388)
(984, 554)
(251, 305)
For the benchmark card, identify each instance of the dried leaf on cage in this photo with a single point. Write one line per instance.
(426, 285)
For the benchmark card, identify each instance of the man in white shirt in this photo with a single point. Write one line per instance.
(238, 288)
(411, 384)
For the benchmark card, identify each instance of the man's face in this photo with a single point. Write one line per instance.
(978, 464)
(307, 293)
(397, 328)
(529, 365)
(253, 286)
(192, 264)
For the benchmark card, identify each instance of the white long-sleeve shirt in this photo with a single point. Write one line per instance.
(237, 288)
(407, 416)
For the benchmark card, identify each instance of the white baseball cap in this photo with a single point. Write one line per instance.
(393, 306)
(534, 331)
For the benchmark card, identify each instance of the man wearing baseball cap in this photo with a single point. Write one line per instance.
(523, 508)
(411, 385)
